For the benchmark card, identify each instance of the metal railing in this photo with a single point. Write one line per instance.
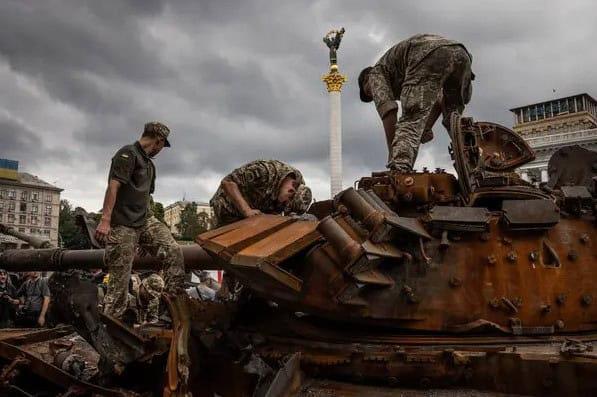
(563, 138)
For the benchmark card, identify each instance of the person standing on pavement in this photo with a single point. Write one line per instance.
(430, 75)
(127, 221)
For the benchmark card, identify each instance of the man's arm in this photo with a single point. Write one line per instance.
(103, 229)
(385, 102)
(233, 192)
(389, 126)
(45, 291)
(44, 308)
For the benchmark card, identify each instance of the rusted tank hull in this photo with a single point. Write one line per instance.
(528, 282)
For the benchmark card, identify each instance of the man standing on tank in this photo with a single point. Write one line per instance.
(127, 220)
(430, 75)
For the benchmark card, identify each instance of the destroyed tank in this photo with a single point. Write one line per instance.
(422, 279)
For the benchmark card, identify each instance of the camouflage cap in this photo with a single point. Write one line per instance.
(302, 200)
(153, 284)
(158, 128)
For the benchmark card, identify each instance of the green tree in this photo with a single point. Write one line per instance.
(189, 226)
(70, 234)
(158, 210)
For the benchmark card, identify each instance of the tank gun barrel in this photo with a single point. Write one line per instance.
(55, 259)
(35, 242)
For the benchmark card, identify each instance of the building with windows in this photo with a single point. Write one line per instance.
(172, 213)
(550, 125)
(28, 204)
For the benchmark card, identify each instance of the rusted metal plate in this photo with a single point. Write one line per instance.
(459, 218)
(278, 246)
(530, 214)
(241, 234)
(54, 374)
(410, 225)
(255, 247)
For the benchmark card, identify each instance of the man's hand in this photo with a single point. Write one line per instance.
(251, 212)
(41, 321)
(102, 231)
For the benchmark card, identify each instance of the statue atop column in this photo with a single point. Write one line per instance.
(332, 39)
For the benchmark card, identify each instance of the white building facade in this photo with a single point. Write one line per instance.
(550, 125)
(172, 213)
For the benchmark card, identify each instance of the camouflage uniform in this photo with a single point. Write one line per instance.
(417, 71)
(154, 238)
(146, 306)
(133, 225)
(259, 183)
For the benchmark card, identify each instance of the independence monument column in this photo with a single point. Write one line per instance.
(334, 81)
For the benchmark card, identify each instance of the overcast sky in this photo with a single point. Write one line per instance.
(240, 80)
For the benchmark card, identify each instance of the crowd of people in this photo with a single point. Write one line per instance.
(24, 299)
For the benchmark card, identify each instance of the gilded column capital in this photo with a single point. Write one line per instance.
(334, 80)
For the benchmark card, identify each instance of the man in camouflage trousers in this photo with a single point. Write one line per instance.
(127, 221)
(430, 75)
(261, 186)
(144, 302)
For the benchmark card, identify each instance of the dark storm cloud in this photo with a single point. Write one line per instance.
(17, 141)
(238, 80)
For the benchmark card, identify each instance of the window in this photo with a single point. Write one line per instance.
(1, 217)
(2, 194)
(48, 210)
(22, 219)
(540, 112)
(49, 197)
(34, 219)
(548, 110)
(11, 218)
(12, 194)
(22, 230)
(526, 115)
(24, 195)
(47, 221)
(555, 107)
(11, 206)
(23, 207)
(47, 232)
(533, 113)
(580, 105)
(34, 208)
(35, 230)
(35, 196)
(1, 206)
(563, 105)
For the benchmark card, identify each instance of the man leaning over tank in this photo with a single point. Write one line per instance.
(127, 221)
(261, 186)
(430, 75)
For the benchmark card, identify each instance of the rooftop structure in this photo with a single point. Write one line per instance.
(550, 125)
(28, 204)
